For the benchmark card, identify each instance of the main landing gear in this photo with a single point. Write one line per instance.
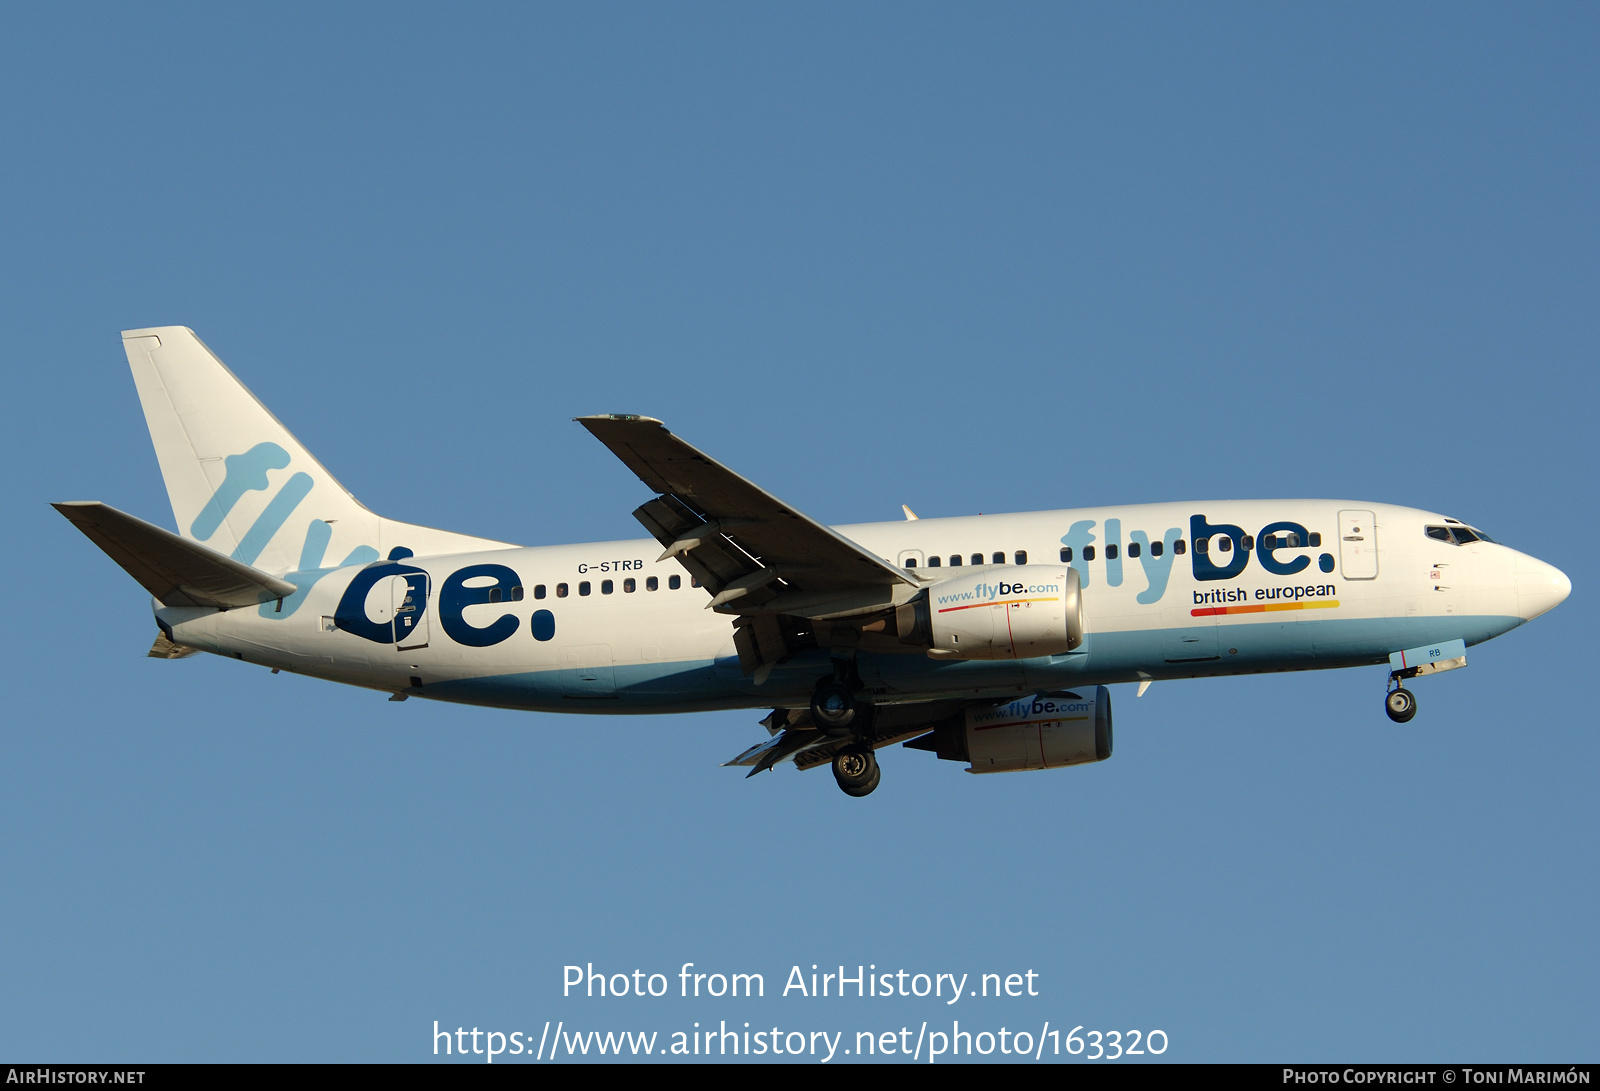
(1400, 704)
(855, 767)
(835, 711)
(833, 706)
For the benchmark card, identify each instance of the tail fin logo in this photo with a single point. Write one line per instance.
(245, 473)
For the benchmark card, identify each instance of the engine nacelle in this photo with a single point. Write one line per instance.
(1042, 732)
(1011, 612)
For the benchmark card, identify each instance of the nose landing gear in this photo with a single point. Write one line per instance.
(1400, 704)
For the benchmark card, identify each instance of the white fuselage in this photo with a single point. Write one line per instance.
(578, 627)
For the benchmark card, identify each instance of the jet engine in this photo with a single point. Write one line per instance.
(1042, 732)
(1010, 612)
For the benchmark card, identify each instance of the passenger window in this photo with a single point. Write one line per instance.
(1202, 545)
(606, 587)
(694, 581)
(652, 584)
(1133, 549)
(1157, 548)
(1316, 539)
(1179, 547)
(629, 587)
(1225, 545)
(955, 560)
(911, 562)
(1066, 554)
(583, 588)
(1293, 541)
(516, 594)
(999, 558)
(1248, 543)
(977, 558)
(538, 591)
(561, 590)
(1022, 556)
(1088, 553)
(495, 594)
(1111, 551)
(933, 562)
(674, 582)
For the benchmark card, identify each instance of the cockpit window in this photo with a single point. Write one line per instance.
(1457, 534)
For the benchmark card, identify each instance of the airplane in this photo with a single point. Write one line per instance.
(986, 639)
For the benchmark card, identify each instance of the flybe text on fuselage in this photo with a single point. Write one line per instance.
(1276, 548)
(1280, 548)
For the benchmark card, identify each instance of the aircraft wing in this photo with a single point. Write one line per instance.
(754, 553)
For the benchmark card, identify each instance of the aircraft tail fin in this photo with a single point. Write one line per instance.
(239, 482)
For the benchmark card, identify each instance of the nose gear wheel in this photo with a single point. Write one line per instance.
(1400, 704)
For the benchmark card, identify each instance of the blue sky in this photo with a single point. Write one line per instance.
(936, 255)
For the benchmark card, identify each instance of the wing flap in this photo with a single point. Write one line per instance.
(176, 571)
(796, 739)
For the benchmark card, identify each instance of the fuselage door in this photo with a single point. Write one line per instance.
(410, 610)
(1358, 545)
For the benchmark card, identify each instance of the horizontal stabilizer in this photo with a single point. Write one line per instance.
(174, 570)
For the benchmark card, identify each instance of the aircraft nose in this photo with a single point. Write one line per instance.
(1540, 587)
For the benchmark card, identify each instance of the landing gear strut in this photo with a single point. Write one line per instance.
(1400, 704)
(855, 767)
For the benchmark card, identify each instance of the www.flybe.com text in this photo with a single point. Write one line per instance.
(993, 592)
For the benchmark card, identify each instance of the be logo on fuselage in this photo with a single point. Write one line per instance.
(491, 583)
